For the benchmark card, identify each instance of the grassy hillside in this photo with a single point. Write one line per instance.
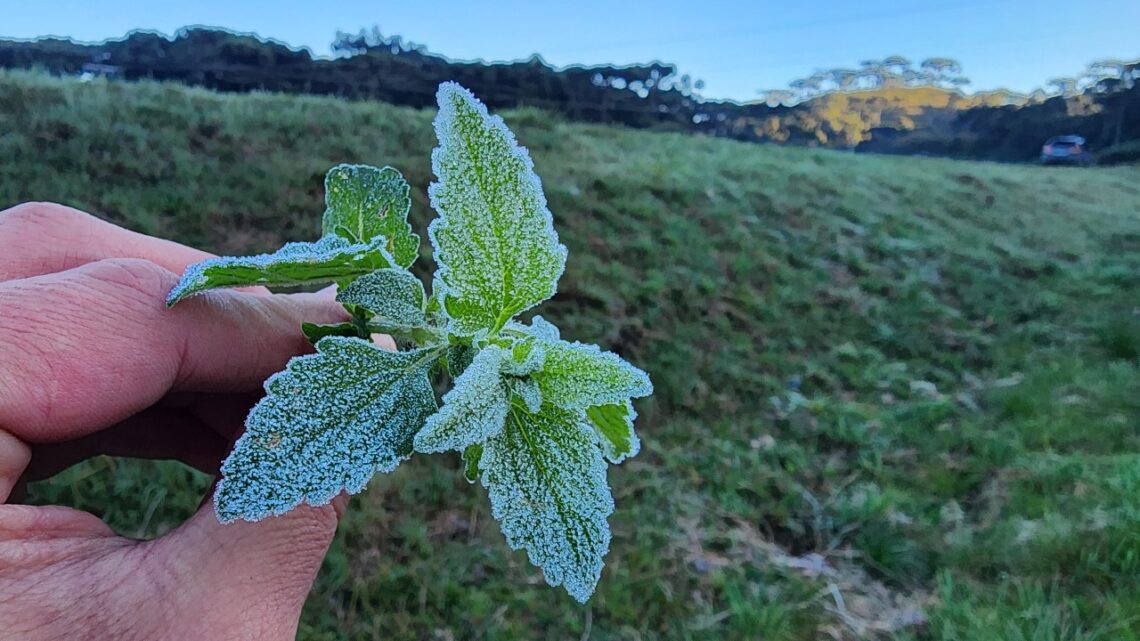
(896, 398)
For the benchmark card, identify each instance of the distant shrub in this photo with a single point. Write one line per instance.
(1125, 152)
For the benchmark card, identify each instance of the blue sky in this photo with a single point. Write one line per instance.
(736, 46)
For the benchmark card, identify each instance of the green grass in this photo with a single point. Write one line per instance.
(923, 371)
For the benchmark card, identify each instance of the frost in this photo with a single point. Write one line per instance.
(527, 391)
(578, 376)
(458, 358)
(363, 203)
(330, 258)
(527, 357)
(494, 240)
(473, 410)
(327, 424)
(547, 483)
(614, 426)
(394, 296)
(536, 417)
(539, 327)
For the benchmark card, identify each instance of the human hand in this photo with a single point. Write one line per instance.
(92, 362)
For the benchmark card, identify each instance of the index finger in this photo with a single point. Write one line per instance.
(86, 348)
(46, 238)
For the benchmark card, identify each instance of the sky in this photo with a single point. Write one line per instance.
(737, 47)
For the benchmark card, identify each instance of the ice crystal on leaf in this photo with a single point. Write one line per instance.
(327, 424)
(539, 327)
(364, 203)
(547, 483)
(614, 425)
(494, 240)
(330, 258)
(394, 297)
(473, 410)
(578, 376)
(528, 392)
(536, 417)
(527, 357)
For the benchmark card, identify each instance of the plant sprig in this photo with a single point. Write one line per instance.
(536, 417)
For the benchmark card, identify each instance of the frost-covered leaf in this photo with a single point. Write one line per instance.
(614, 425)
(458, 358)
(527, 391)
(330, 258)
(364, 203)
(471, 457)
(547, 481)
(315, 332)
(328, 422)
(579, 376)
(473, 410)
(544, 329)
(539, 327)
(435, 305)
(394, 296)
(494, 240)
(527, 356)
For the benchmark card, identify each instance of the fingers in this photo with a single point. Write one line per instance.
(268, 566)
(31, 522)
(88, 342)
(93, 345)
(14, 458)
(45, 238)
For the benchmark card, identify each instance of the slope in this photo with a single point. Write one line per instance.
(888, 389)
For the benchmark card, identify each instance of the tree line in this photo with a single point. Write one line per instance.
(892, 71)
(369, 66)
(889, 105)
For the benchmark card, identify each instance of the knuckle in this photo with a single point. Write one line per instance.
(32, 216)
(47, 326)
(32, 233)
(136, 274)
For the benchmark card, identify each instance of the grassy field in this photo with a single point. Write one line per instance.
(896, 397)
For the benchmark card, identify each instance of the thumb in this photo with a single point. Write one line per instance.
(249, 576)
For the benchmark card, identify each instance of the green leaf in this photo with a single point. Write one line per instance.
(459, 358)
(434, 305)
(394, 296)
(330, 258)
(471, 457)
(494, 240)
(527, 357)
(473, 410)
(315, 332)
(328, 422)
(528, 392)
(579, 376)
(614, 426)
(364, 203)
(539, 327)
(547, 482)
